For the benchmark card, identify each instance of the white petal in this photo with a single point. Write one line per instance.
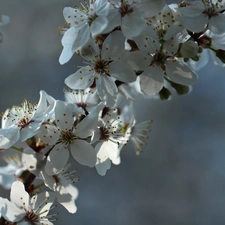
(26, 132)
(66, 54)
(49, 180)
(180, 73)
(64, 117)
(68, 40)
(98, 25)
(103, 167)
(112, 149)
(114, 20)
(103, 162)
(113, 46)
(137, 60)
(132, 25)
(57, 159)
(82, 38)
(153, 6)
(69, 37)
(72, 190)
(116, 161)
(10, 211)
(68, 200)
(102, 153)
(83, 152)
(74, 17)
(18, 195)
(9, 137)
(194, 10)
(86, 127)
(122, 71)
(152, 80)
(107, 90)
(82, 79)
(42, 104)
(49, 134)
(195, 24)
(217, 23)
(29, 159)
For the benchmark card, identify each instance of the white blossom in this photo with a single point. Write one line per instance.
(200, 15)
(104, 65)
(67, 136)
(130, 15)
(25, 210)
(81, 101)
(22, 122)
(158, 64)
(111, 139)
(90, 19)
(62, 185)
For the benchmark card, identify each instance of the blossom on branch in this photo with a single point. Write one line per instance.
(21, 209)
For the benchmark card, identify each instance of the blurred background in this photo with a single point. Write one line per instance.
(180, 177)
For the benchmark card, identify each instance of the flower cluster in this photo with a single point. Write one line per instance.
(127, 48)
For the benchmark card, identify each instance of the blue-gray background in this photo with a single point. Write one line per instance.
(180, 177)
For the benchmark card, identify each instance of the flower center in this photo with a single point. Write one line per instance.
(104, 133)
(125, 9)
(101, 67)
(210, 12)
(159, 59)
(23, 122)
(67, 137)
(31, 217)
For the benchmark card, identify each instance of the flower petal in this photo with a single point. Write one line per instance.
(195, 24)
(67, 199)
(19, 196)
(216, 23)
(152, 80)
(64, 117)
(102, 167)
(113, 46)
(82, 79)
(83, 152)
(132, 25)
(9, 137)
(107, 90)
(180, 73)
(98, 25)
(10, 211)
(86, 127)
(122, 71)
(57, 159)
